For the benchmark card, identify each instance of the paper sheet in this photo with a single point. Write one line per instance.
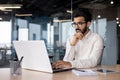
(84, 72)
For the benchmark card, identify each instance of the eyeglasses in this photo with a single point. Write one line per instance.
(78, 24)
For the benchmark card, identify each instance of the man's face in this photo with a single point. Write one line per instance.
(80, 24)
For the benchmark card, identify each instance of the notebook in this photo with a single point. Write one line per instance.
(35, 56)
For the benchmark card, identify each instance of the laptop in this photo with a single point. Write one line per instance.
(35, 56)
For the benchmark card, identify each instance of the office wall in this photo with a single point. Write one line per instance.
(34, 31)
(107, 29)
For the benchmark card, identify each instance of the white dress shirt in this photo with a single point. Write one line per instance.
(86, 53)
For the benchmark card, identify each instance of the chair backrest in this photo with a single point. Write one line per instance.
(100, 62)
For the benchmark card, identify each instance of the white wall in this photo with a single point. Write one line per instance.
(5, 32)
(23, 34)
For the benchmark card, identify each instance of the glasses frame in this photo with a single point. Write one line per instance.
(78, 24)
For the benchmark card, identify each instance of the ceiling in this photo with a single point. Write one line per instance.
(54, 7)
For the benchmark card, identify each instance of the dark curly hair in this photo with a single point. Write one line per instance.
(82, 12)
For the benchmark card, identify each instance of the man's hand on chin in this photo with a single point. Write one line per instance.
(77, 36)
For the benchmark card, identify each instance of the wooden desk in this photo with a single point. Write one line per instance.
(34, 75)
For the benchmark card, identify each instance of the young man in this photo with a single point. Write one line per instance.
(84, 48)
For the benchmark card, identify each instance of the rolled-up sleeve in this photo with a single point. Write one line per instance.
(70, 50)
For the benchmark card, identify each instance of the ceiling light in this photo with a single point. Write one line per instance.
(117, 22)
(5, 12)
(69, 11)
(11, 6)
(1, 18)
(119, 25)
(1, 8)
(117, 18)
(23, 14)
(6, 9)
(62, 20)
(111, 2)
(99, 16)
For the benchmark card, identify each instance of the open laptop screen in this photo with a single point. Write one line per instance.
(35, 55)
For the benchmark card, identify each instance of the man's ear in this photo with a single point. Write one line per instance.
(88, 23)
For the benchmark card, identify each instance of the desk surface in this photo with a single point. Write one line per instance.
(68, 75)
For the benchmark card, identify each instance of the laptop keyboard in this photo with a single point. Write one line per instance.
(61, 69)
(56, 68)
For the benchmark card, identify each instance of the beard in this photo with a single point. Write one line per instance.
(83, 31)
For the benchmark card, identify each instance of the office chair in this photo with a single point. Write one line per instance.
(100, 62)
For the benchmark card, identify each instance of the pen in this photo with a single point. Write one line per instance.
(80, 70)
(18, 65)
(20, 60)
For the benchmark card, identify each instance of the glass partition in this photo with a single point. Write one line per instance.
(56, 28)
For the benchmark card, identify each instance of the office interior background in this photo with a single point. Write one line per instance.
(50, 20)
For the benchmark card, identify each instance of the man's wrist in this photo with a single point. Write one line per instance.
(73, 44)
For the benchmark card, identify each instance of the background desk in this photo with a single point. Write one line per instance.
(36, 75)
